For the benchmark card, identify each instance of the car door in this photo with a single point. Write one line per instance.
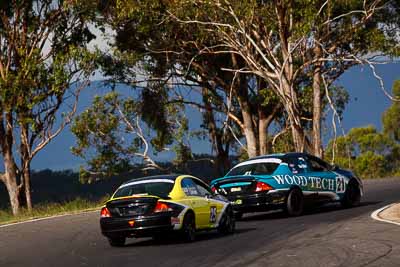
(214, 206)
(196, 201)
(321, 179)
(301, 176)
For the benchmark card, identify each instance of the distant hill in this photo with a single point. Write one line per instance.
(60, 186)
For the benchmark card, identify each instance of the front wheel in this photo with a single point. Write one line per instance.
(227, 223)
(238, 216)
(116, 241)
(294, 202)
(352, 195)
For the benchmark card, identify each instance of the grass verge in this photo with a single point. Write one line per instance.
(51, 209)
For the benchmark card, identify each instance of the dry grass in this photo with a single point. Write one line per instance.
(51, 209)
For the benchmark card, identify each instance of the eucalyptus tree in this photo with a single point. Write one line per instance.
(43, 67)
(119, 132)
(284, 41)
(369, 153)
(144, 33)
(391, 117)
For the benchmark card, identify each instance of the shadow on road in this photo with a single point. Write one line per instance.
(174, 239)
(310, 210)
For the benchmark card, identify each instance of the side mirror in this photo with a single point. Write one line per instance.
(335, 167)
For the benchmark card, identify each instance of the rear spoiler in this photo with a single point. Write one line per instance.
(235, 179)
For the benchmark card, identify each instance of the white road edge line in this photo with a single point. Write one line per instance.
(48, 218)
(375, 215)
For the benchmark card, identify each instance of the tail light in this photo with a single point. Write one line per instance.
(214, 189)
(260, 186)
(105, 213)
(162, 207)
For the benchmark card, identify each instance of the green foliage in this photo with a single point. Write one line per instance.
(391, 117)
(36, 84)
(153, 37)
(118, 132)
(283, 143)
(44, 64)
(371, 154)
(366, 151)
(371, 165)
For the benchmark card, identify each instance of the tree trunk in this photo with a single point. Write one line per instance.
(26, 165)
(13, 193)
(222, 163)
(264, 123)
(10, 181)
(316, 134)
(27, 186)
(298, 136)
(291, 105)
(263, 133)
(241, 87)
(9, 178)
(249, 134)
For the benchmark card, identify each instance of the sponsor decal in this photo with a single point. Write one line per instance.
(213, 214)
(238, 202)
(175, 220)
(312, 182)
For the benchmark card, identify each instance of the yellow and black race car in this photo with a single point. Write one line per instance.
(156, 205)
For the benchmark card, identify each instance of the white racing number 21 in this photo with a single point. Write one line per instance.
(340, 184)
(213, 214)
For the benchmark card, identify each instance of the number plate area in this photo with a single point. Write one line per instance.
(133, 210)
(236, 189)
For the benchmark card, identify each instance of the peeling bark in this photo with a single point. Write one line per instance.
(317, 112)
(9, 178)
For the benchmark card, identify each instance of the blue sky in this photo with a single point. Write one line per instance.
(367, 102)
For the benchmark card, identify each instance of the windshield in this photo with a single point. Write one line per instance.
(265, 168)
(160, 188)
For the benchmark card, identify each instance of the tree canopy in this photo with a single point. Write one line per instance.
(44, 64)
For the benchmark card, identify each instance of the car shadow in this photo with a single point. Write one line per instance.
(174, 239)
(309, 210)
(332, 207)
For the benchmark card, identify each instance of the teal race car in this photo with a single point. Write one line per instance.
(287, 181)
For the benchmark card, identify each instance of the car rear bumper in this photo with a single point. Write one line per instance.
(143, 226)
(264, 201)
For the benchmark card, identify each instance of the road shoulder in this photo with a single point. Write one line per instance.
(389, 214)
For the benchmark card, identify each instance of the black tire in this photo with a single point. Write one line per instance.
(294, 204)
(116, 241)
(188, 231)
(227, 223)
(159, 237)
(352, 195)
(238, 216)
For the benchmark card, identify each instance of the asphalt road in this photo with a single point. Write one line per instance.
(327, 236)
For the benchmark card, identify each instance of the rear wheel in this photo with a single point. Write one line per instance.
(227, 222)
(294, 202)
(238, 216)
(159, 237)
(116, 241)
(352, 195)
(188, 228)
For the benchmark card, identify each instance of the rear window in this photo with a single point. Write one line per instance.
(265, 168)
(160, 188)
